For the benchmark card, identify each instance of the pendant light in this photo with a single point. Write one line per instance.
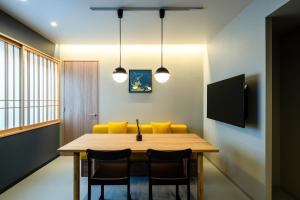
(162, 74)
(119, 74)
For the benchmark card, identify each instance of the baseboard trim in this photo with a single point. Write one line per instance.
(28, 174)
(230, 179)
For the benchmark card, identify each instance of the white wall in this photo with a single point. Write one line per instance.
(240, 48)
(179, 100)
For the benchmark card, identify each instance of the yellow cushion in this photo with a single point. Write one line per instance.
(179, 128)
(83, 156)
(100, 128)
(117, 127)
(146, 128)
(161, 127)
(131, 128)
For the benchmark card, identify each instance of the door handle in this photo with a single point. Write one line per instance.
(93, 115)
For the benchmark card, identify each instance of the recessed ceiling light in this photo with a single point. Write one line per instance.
(53, 24)
(23, 0)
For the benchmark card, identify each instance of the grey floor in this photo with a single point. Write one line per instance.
(54, 182)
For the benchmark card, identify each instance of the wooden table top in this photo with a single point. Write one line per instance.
(107, 142)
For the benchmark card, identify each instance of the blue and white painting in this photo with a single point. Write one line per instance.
(140, 81)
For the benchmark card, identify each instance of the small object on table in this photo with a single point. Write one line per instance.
(139, 136)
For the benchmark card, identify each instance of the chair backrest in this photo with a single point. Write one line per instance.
(181, 158)
(169, 155)
(108, 155)
(119, 157)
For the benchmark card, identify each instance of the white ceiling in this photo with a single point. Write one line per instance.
(77, 24)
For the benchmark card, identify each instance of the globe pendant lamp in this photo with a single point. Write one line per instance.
(119, 74)
(162, 74)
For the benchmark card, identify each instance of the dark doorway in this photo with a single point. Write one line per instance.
(285, 63)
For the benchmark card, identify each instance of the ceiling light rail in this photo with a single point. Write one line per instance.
(146, 8)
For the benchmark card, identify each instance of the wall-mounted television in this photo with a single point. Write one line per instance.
(226, 101)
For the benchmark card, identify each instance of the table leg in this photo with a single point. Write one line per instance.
(200, 183)
(76, 181)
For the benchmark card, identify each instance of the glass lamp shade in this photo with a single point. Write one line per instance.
(120, 75)
(162, 75)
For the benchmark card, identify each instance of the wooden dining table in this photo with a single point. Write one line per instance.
(167, 142)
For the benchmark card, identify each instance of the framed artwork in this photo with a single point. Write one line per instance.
(140, 81)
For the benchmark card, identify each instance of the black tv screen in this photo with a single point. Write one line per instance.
(226, 101)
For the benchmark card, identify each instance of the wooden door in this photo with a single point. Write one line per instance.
(80, 98)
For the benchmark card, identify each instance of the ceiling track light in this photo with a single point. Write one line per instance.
(119, 74)
(162, 74)
(146, 8)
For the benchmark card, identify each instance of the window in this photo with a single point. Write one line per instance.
(41, 103)
(29, 87)
(9, 86)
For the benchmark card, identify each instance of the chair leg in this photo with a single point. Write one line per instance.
(89, 192)
(188, 191)
(177, 193)
(150, 191)
(102, 193)
(128, 192)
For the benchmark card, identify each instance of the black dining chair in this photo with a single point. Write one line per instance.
(108, 168)
(169, 168)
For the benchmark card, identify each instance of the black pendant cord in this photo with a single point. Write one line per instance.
(162, 43)
(161, 15)
(120, 15)
(120, 42)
